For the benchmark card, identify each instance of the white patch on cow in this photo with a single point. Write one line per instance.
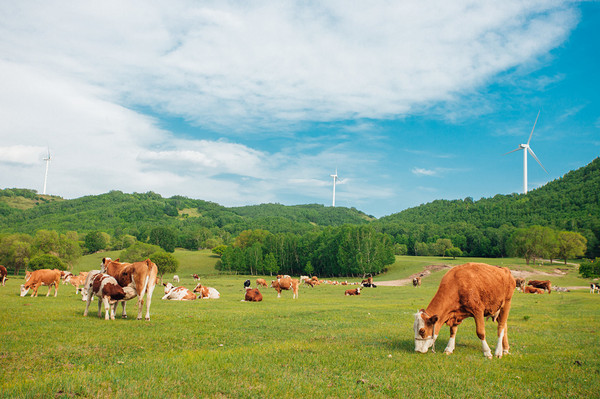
(422, 344)
(487, 352)
(450, 347)
(499, 350)
(24, 290)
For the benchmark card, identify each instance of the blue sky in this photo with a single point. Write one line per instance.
(259, 102)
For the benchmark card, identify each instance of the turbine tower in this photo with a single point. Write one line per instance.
(47, 160)
(335, 178)
(526, 148)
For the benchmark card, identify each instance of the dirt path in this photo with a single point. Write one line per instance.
(434, 268)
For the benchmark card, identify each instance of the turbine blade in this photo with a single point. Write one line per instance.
(513, 151)
(531, 134)
(536, 158)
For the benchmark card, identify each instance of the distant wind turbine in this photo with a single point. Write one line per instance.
(335, 179)
(48, 159)
(526, 148)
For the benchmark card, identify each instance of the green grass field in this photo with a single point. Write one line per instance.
(322, 345)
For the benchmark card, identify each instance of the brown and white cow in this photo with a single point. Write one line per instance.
(355, 291)
(261, 281)
(206, 292)
(252, 295)
(416, 282)
(520, 283)
(3, 274)
(76, 281)
(49, 277)
(139, 276)
(109, 293)
(543, 284)
(473, 290)
(86, 290)
(310, 282)
(286, 283)
(532, 290)
(178, 293)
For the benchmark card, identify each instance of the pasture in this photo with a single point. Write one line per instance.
(323, 344)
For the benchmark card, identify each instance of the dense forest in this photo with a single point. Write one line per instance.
(558, 219)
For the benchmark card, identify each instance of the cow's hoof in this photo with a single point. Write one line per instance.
(124, 316)
(448, 352)
(506, 352)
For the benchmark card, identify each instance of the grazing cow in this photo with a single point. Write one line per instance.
(3, 274)
(207, 292)
(175, 278)
(286, 283)
(49, 277)
(261, 281)
(593, 288)
(283, 276)
(309, 282)
(543, 284)
(76, 281)
(520, 283)
(64, 275)
(532, 290)
(368, 281)
(471, 290)
(178, 293)
(109, 293)
(315, 280)
(196, 277)
(355, 291)
(417, 282)
(139, 276)
(86, 290)
(252, 295)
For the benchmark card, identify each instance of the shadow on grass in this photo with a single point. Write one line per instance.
(403, 345)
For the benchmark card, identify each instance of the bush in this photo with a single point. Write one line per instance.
(46, 261)
(590, 268)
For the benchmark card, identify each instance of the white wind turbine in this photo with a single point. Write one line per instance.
(335, 179)
(47, 160)
(526, 148)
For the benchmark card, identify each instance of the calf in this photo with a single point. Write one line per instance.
(196, 277)
(262, 282)
(252, 295)
(286, 283)
(109, 293)
(532, 290)
(178, 293)
(175, 278)
(3, 274)
(207, 292)
(593, 287)
(355, 291)
(417, 282)
(49, 277)
(76, 281)
(543, 284)
(471, 290)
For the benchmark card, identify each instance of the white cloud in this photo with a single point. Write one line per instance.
(424, 172)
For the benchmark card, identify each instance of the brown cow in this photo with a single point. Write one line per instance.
(417, 282)
(355, 291)
(471, 290)
(310, 282)
(520, 283)
(532, 290)
(49, 277)
(252, 295)
(109, 293)
(543, 284)
(3, 274)
(286, 283)
(76, 281)
(261, 281)
(139, 276)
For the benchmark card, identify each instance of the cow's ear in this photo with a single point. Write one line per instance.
(165, 284)
(433, 319)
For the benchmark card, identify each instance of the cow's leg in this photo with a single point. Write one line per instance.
(451, 341)
(49, 289)
(100, 302)
(149, 300)
(89, 300)
(124, 313)
(106, 308)
(56, 289)
(35, 289)
(503, 347)
(480, 329)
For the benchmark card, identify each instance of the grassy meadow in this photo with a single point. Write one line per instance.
(322, 345)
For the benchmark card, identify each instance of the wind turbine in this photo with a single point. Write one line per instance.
(335, 179)
(526, 148)
(48, 159)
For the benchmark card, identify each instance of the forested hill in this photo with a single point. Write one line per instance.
(119, 213)
(570, 203)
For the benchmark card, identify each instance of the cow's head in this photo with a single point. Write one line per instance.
(24, 290)
(424, 331)
(168, 287)
(104, 263)
(198, 288)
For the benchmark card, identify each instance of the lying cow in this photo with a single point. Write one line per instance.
(543, 284)
(471, 290)
(140, 277)
(3, 274)
(178, 293)
(355, 291)
(416, 282)
(532, 290)
(109, 293)
(593, 287)
(49, 277)
(262, 282)
(252, 295)
(286, 283)
(207, 292)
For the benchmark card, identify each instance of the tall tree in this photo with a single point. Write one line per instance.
(570, 245)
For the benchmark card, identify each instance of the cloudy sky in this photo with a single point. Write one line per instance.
(248, 102)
